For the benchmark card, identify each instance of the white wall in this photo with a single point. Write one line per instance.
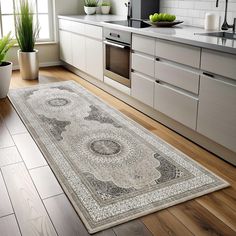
(193, 12)
(49, 53)
(118, 7)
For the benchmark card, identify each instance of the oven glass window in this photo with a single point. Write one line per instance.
(118, 60)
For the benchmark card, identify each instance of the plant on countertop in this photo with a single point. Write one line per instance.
(26, 31)
(90, 3)
(5, 44)
(105, 4)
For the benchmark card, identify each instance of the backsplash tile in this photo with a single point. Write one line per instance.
(193, 12)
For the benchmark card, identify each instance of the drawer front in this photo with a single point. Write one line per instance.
(219, 63)
(178, 106)
(177, 76)
(143, 44)
(142, 88)
(143, 64)
(181, 53)
(93, 31)
(71, 26)
(217, 111)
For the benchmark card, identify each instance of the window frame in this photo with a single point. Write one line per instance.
(50, 15)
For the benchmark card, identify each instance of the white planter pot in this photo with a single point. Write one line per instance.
(5, 78)
(90, 10)
(105, 9)
(29, 64)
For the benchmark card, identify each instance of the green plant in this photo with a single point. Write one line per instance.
(26, 31)
(90, 3)
(105, 4)
(5, 44)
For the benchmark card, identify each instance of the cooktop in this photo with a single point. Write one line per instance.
(135, 23)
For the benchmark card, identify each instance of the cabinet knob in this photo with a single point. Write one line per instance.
(157, 81)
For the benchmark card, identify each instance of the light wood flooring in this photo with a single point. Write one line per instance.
(33, 203)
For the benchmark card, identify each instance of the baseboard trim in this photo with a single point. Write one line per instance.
(42, 64)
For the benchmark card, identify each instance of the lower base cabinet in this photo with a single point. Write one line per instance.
(65, 47)
(94, 58)
(142, 88)
(78, 51)
(217, 111)
(177, 105)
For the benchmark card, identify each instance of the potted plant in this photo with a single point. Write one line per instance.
(105, 7)
(5, 67)
(90, 6)
(26, 34)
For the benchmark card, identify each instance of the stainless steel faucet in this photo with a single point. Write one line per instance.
(225, 25)
(129, 11)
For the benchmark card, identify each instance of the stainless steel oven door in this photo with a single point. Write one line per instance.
(117, 62)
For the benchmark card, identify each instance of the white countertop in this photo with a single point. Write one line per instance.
(181, 33)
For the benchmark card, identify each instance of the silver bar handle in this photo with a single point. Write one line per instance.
(114, 44)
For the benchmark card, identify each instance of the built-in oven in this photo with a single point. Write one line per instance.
(117, 56)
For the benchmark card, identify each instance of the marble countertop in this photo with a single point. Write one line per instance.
(181, 33)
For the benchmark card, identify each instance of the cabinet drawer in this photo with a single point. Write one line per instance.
(143, 44)
(177, 52)
(177, 76)
(93, 31)
(177, 105)
(217, 111)
(219, 63)
(142, 88)
(143, 64)
(71, 26)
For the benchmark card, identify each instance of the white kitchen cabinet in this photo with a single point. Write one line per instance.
(219, 63)
(217, 111)
(81, 46)
(143, 63)
(93, 31)
(178, 52)
(142, 88)
(143, 44)
(177, 76)
(79, 51)
(94, 58)
(176, 104)
(65, 47)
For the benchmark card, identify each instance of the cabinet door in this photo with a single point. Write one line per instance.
(144, 64)
(176, 104)
(217, 111)
(94, 58)
(78, 52)
(65, 47)
(142, 88)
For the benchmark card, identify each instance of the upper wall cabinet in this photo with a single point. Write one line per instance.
(181, 53)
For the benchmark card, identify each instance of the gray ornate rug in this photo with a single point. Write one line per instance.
(112, 169)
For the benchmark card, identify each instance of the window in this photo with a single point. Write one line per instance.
(42, 12)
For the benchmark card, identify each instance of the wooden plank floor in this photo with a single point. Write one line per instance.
(33, 203)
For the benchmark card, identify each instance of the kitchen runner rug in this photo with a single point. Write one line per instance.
(111, 168)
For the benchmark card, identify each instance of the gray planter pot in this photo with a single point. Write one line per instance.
(5, 78)
(29, 64)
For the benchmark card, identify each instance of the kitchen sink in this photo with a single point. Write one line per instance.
(225, 35)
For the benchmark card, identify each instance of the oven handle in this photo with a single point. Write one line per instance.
(115, 44)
